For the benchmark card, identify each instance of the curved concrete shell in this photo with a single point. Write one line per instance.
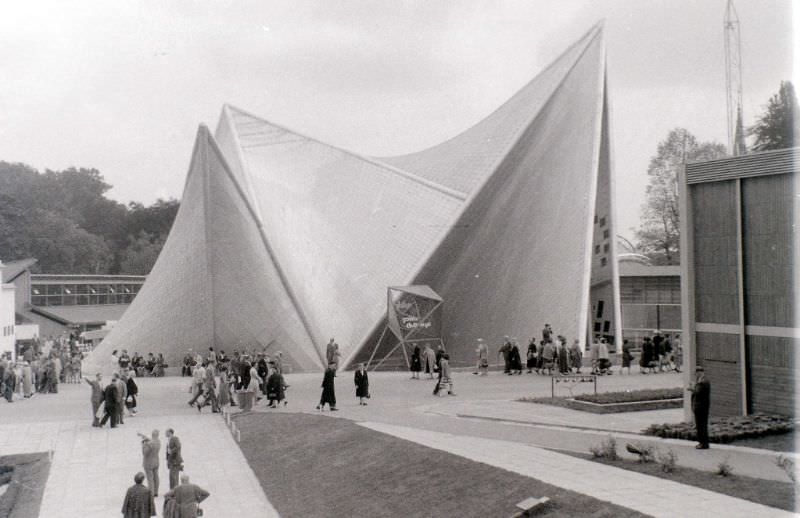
(282, 241)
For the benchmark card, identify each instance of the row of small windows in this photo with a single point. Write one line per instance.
(597, 249)
(8, 330)
(83, 294)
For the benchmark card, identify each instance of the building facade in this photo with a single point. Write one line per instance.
(650, 299)
(7, 321)
(739, 252)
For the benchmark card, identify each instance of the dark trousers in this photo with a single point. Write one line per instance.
(95, 408)
(173, 477)
(701, 422)
(111, 414)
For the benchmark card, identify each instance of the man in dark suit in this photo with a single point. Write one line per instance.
(110, 396)
(174, 458)
(701, 404)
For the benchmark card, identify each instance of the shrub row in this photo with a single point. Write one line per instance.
(726, 429)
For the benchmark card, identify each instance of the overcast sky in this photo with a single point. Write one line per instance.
(122, 86)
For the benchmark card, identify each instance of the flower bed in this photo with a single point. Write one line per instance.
(617, 402)
(726, 429)
(631, 396)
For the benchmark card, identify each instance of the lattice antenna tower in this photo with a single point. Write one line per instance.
(733, 80)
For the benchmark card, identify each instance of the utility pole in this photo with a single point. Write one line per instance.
(733, 81)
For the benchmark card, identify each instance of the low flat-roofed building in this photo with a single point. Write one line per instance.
(739, 252)
(650, 298)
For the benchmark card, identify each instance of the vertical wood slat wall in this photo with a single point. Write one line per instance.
(760, 376)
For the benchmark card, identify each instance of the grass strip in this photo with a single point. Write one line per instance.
(320, 466)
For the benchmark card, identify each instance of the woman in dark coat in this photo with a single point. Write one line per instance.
(362, 384)
(515, 360)
(133, 391)
(328, 390)
(531, 356)
(647, 355)
(416, 363)
(276, 389)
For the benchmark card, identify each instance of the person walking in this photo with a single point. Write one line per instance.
(276, 389)
(416, 363)
(174, 458)
(514, 357)
(362, 384)
(110, 401)
(96, 397)
(138, 501)
(151, 447)
(198, 381)
(505, 350)
(701, 405)
(444, 372)
(328, 390)
(186, 498)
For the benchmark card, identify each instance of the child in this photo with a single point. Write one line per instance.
(362, 385)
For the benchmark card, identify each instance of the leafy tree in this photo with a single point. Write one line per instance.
(63, 219)
(777, 126)
(659, 232)
(141, 254)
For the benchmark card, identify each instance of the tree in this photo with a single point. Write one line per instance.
(659, 232)
(141, 254)
(777, 126)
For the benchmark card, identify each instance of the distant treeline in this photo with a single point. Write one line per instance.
(64, 220)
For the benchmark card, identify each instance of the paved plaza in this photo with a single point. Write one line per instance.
(483, 422)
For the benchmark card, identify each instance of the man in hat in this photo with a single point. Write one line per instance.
(701, 404)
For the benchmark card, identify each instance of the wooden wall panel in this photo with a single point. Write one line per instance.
(768, 259)
(715, 257)
(772, 374)
(718, 354)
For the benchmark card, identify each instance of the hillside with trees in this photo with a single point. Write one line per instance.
(65, 221)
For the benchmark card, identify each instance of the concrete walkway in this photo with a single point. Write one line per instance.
(643, 493)
(92, 468)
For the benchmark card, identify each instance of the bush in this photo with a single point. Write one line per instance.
(667, 461)
(726, 429)
(724, 469)
(788, 466)
(605, 450)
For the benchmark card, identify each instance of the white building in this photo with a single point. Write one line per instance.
(7, 338)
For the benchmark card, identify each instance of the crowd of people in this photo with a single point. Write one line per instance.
(40, 368)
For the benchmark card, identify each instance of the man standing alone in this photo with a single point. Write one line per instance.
(174, 459)
(150, 450)
(701, 404)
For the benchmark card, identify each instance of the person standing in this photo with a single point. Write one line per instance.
(362, 384)
(138, 500)
(505, 350)
(483, 358)
(330, 351)
(122, 395)
(328, 390)
(97, 396)
(151, 447)
(133, 391)
(701, 405)
(530, 356)
(429, 360)
(627, 357)
(9, 382)
(187, 496)
(224, 397)
(444, 375)
(514, 357)
(416, 363)
(174, 458)
(576, 356)
(27, 379)
(547, 333)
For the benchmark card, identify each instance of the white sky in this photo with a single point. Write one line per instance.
(121, 86)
